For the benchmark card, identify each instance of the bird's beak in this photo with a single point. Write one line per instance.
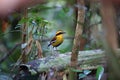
(63, 32)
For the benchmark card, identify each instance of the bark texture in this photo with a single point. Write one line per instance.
(76, 44)
(86, 59)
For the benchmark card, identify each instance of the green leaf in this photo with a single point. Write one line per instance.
(64, 77)
(99, 73)
(82, 75)
(86, 72)
(66, 10)
(45, 21)
(18, 26)
(24, 20)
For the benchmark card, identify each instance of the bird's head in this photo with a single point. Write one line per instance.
(60, 32)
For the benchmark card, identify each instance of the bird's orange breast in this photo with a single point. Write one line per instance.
(58, 41)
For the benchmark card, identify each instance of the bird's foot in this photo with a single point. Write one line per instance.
(56, 53)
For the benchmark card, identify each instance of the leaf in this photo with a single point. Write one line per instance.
(30, 20)
(23, 45)
(64, 77)
(99, 73)
(66, 10)
(32, 71)
(45, 21)
(18, 26)
(84, 74)
(34, 23)
(38, 20)
(24, 20)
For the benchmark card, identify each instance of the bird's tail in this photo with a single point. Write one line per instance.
(49, 44)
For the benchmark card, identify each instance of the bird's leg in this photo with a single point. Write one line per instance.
(55, 51)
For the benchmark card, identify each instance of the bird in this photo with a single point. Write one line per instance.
(58, 39)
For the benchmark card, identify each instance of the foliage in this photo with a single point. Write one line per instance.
(99, 73)
(84, 74)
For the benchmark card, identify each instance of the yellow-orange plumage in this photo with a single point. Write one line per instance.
(58, 39)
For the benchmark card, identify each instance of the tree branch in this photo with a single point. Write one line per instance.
(9, 53)
(76, 42)
(90, 58)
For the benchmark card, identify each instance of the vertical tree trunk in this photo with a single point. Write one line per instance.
(110, 40)
(76, 44)
(109, 24)
(24, 38)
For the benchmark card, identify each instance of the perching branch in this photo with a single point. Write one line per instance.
(24, 36)
(62, 61)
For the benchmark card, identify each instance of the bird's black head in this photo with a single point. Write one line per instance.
(60, 32)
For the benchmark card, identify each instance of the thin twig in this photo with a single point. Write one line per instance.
(4, 34)
(9, 53)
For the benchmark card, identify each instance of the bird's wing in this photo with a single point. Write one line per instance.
(53, 40)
